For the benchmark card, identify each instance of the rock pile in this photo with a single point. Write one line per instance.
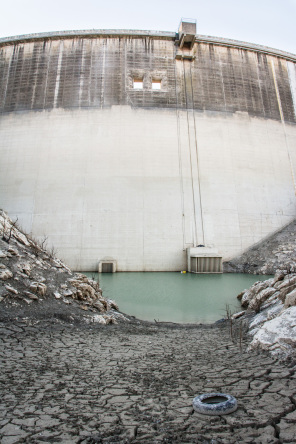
(30, 274)
(277, 251)
(271, 313)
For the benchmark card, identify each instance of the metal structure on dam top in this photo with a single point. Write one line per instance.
(129, 149)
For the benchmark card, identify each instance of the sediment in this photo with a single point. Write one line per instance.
(135, 382)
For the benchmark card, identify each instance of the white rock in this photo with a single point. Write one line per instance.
(279, 277)
(13, 251)
(11, 289)
(100, 319)
(258, 320)
(247, 296)
(25, 268)
(274, 299)
(277, 335)
(66, 301)
(272, 310)
(261, 297)
(253, 331)
(97, 304)
(5, 274)
(290, 299)
(110, 319)
(28, 301)
(38, 288)
(31, 295)
(253, 291)
(112, 304)
(238, 315)
(287, 282)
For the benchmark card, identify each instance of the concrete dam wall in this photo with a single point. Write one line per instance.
(133, 146)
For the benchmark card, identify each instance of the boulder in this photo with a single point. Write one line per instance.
(13, 251)
(284, 291)
(290, 300)
(269, 310)
(38, 288)
(100, 319)
(67, 293)
(261, 297)
(2, 254)
(99, 306)
(278, 335)
(5, 274)
(253, 291)
(11, 289)
(31, 295)
(279, 276)
(238, 315)
(289, 281)
(86, 288)
(112, 304)
(240, 295)
(25, 268)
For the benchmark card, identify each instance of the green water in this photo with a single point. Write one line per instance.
(175, 297)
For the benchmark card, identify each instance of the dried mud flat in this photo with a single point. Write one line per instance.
(135, 382)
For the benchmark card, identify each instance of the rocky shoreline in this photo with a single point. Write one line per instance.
(270, 306)
(271, 314)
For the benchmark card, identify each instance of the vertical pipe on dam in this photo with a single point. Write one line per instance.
(188, 102)
(179, 153)
(198, 166)
(198, 226)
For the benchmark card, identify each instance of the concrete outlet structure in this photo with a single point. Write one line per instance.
(137, 145)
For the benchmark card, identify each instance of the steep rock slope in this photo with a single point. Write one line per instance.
(36, 283)
(277, 251)
(271, 314)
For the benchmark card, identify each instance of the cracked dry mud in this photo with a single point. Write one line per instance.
(135, 383)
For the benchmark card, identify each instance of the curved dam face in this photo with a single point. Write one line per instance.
(129, 147)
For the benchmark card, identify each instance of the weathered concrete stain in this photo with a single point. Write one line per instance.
(97, 72)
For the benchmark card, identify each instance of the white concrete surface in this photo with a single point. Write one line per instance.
(124, 183)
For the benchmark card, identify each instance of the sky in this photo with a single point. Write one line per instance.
(266, 22)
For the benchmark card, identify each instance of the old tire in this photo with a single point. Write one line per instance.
(214, 404)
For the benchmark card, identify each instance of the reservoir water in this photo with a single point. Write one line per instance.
(175, 297)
